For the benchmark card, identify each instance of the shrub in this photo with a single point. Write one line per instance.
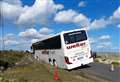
(9, 58)
(22, 80)
(115, 63)
(2, 79)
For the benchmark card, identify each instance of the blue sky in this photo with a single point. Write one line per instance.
(28, 21)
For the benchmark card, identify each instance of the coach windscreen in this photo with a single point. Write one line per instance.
(76, 36)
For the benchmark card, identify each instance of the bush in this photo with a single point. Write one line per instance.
(3, 80)
(22, 80)
(115, 63)
(9, 58)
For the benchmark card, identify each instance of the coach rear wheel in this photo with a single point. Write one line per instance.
(54, 62)
(50, 61)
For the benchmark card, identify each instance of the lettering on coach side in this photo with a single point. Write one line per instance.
(45, 52)
(75, 45)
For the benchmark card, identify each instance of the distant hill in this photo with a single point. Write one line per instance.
(107, 53)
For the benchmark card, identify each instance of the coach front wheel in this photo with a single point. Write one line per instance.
(50, 61)
(54, 62)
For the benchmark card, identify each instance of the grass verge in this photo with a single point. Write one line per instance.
(40, 72)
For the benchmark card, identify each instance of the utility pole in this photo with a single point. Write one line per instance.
(1, 28)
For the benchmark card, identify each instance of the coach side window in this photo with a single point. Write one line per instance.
(51, 43)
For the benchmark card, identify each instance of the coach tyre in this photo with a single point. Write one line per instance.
(50, 61)
(54, 62)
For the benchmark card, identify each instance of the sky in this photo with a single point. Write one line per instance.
(24, 22)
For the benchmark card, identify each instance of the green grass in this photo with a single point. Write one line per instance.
(2, 79)
(35, 71)
(108, 58)
(40, 72)
(11, 56)
(116, 63)
(108, 55)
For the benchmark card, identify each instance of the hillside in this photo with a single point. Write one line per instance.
(40, 72)
(26, 69)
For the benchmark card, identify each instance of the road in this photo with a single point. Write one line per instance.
(102, 71)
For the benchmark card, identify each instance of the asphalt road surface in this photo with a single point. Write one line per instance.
(102, 71)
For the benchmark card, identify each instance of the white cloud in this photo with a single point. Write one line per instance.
(59, 6)
(70, 16)
(65, 16)
(105, 37)
(116, 14)
(104, 45)
(41, 10)
(82, 20)
(92, 40)
(9, 10)
(10, 39)
(102, 42)
(14, 2)
(118, 25)
(82, 4)
(45, 30)
(9, 36)
(32, 33)
(10, 42)
(34, 40)
(25, 39)
(102, 22)
(115, 18)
